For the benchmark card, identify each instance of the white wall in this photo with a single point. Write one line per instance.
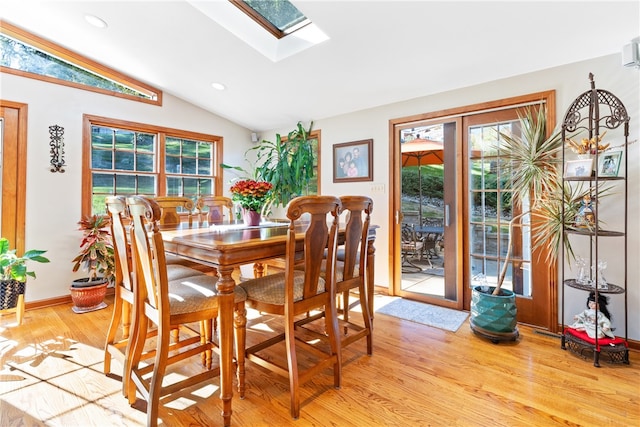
(53, 200)
(569, 82)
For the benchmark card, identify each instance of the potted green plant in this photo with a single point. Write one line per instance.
(532, 159)
(96, 256)
(286, 163)
(14, 273)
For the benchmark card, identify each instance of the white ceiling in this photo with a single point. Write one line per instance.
(378, 52)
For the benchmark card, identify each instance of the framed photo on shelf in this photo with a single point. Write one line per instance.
(578, 168)
(353, 161)
(609, 163)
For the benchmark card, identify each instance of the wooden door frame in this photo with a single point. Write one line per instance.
(14, 173)
(549, 97)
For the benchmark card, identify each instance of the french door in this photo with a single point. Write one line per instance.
(432, 274)
(475, 210)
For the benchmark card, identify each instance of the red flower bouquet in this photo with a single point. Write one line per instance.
(251, 194)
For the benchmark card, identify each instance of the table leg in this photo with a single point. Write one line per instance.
(225, 287)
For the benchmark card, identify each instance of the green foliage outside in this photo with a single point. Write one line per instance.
(432, 181)
(433, 187)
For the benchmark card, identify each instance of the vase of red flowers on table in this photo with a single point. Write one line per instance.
(252, 196)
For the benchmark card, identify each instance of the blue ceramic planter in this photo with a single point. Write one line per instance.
(494, 316)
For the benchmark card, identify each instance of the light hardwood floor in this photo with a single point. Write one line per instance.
(418, 376)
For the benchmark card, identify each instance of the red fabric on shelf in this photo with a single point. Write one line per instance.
(601, 341)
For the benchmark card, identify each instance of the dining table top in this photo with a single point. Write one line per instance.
(231, 243)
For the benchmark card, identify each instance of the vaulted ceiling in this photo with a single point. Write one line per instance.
(378, 52)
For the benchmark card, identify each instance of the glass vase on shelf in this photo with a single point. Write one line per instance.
(600, 281)
(582, 277)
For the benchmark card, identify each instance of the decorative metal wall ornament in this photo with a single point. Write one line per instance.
(57, 148)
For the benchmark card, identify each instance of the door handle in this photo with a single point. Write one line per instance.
(446, 215)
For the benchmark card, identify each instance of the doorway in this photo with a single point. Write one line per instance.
(472, 220)
(13, 118)
(429, 211)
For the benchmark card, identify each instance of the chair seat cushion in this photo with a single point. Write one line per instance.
(174, 259)
(176, 271)
(270, 289)
(340, 270)
(606, 341)
(197, 292)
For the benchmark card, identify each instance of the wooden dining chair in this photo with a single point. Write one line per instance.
(169, 304)
(213, 208)
(175, 209)
(295, 292)
(116, 345)
(351, 268)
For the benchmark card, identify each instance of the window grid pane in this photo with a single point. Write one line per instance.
(132, 162)
(189, 167)
(491, 211)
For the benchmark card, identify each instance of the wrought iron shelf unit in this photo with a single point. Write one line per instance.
(591, 115)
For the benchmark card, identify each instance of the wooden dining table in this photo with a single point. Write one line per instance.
(227, 246)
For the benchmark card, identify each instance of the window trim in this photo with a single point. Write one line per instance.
(90, 120)
(80, 61)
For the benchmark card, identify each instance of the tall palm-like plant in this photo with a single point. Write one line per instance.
(536, 178)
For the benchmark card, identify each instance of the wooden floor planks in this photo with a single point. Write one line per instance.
(418, 376)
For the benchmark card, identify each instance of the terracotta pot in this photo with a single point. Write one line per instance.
(88, 295)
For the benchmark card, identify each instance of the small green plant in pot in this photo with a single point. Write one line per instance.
(14, 273)
(96, 257)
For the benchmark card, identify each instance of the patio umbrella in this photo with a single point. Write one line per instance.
(420, 152)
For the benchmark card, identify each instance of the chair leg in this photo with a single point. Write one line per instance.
(206, 335)
(292, 360)
(240, 325)
(159, 368)
(134, 355)
(366, 316)
(345, 305)
(111, 333)
(334, 340)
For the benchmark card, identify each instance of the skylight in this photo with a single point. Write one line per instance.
(272, 43)
(279, 17)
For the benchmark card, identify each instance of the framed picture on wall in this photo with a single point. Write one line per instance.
(353, 161)
(609, 163)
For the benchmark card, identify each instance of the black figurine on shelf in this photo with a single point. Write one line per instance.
(596, 318)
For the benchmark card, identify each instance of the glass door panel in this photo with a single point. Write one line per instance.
(428, 209)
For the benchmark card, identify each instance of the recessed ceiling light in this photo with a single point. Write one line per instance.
(95, 21)
(218, 86)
